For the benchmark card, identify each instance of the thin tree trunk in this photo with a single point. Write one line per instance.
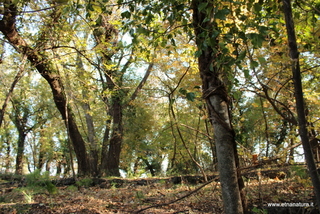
(291, 152)
(48, 164)
(7, 158)
(41, 158)
(105, 144)
(266, 130)
(13, 85)
(303, 132)
(58, 168)
(216, 96)
(42, 153)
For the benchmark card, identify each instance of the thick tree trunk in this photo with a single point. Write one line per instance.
(91, 136)
(217, 99)
(38, 60)
(113, 155)
(20, 118)
(94, 154)
(111, 147)
(298, 92)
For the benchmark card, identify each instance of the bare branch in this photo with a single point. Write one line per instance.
(142, 83)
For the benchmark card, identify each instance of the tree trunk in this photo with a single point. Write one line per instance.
(298, 92)
(13, 85)
(314, 141)
(94, 154)
(20, 118)
(48, 164)
(113, 155)
(7, 159)
(217, 100)
(20, 149)
(58, 168)
(42, 154)
(91, 136)
(266, 128)
(38, 60)
(41, 159)
(105, 145)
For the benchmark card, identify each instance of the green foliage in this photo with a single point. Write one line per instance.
(140, 195)
(222, 14)
(189, 95)
(84, 182)
(114, 185)
(38, 181)
(37, 178)
(72, 188)
(257, 210)
(300, 171)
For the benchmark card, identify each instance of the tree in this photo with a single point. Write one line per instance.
(53, 41)
(48, 72)
(300, 105)
(215, 92)
(215, 61)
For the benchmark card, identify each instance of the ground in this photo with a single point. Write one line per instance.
(287, 194)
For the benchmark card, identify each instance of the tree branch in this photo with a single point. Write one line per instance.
(142, 83)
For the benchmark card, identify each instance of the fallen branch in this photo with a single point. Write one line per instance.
(173, 201)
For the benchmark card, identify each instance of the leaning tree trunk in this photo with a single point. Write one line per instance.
(217, 100)
(298, 93)
(38, 60)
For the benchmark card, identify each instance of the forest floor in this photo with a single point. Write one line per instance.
(280, 194)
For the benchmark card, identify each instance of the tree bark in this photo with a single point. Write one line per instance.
(20, 119)
(38, 60)
(20, 153)
(217, 100)
(91, 134)
(110, 159)
(298, 92)
(113, 155)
